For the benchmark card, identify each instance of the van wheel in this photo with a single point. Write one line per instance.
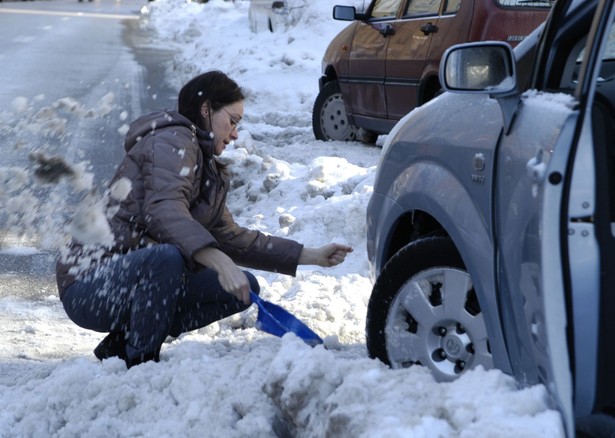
(329, 120)
(424, 311)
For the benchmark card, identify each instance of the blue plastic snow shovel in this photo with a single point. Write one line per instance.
(277, 321)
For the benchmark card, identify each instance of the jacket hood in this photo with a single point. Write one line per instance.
(149, 123)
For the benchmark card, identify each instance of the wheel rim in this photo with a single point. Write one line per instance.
(333, 120)
(435, 321)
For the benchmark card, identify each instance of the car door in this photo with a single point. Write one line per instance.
(411, 50)
(366, 60)
(547, 247)
(591, 229)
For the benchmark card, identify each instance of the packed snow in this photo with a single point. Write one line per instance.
(229, 379)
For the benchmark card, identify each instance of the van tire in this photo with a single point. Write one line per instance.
(329, 119)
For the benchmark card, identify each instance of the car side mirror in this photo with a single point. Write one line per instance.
(484, 67)
(344, 13)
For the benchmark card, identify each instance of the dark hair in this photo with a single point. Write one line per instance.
(213, 86)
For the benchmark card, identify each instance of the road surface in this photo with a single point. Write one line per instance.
(93, 68)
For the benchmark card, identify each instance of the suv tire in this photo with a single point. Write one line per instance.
(329, 119)
(423, 310)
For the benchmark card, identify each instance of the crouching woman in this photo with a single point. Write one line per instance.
(174, 264)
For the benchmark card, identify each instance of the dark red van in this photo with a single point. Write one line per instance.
(386, 62)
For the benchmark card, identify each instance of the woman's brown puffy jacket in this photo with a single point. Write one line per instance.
(178, 196)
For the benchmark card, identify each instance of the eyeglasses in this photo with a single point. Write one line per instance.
(233, 120)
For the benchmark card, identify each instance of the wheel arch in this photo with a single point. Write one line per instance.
(430, 87)
(410, 226)
(410, 212)
(329, 75)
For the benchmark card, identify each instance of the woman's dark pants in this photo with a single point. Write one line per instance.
(149, 294)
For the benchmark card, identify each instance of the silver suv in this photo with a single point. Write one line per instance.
(491, 232)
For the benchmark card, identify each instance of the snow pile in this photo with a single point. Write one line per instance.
(228, 379)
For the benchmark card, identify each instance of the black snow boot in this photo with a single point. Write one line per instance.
(154, 355)
(114, 345)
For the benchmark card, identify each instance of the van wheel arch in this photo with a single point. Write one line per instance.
(411, 226)
(430, 88)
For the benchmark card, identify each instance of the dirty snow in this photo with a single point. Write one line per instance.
(228, 379)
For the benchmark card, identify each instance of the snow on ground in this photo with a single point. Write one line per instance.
(228, 379)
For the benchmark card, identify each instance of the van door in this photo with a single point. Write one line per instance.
(548, 246)
(409, 54)
(527, 241)
(591, 212)
(366, 68)
(528, 250)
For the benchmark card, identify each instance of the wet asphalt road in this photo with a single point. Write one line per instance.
(88, 52)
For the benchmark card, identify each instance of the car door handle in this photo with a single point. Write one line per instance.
(429, 28)
(387, 30)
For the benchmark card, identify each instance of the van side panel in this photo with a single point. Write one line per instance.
(493, 22)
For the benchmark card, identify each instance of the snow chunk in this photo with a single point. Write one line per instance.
(19, 104)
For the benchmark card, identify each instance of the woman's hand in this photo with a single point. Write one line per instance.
(231, 278)
(329, 255)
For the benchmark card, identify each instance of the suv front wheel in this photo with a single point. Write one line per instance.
(424, 311)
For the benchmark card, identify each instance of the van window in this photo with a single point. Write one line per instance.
(526, 3)
(451, 6)
(385, 8)
(422, 7)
